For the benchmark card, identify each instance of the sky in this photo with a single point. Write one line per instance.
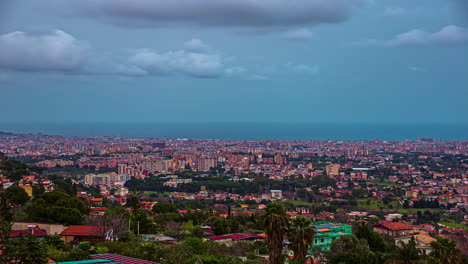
(314, 61)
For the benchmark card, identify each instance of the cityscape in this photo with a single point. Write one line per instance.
(168, 191)
(234, 131)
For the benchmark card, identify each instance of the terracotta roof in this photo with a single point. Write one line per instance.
(81, 230)
(424, 238)
(394, 225)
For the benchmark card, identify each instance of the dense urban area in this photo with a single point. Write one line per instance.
(219, 201)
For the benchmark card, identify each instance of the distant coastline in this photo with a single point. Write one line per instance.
(247, 131)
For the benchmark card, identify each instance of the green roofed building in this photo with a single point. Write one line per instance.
(91, 261)
(326, 233)
(109, 259)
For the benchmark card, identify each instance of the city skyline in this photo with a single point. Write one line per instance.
(355, 61)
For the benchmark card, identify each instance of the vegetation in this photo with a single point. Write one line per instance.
(57, 207)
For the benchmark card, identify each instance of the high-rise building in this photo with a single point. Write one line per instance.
(333, 169)
(204, 164)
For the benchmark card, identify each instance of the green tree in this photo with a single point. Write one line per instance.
(57, 207)
(406, 253)
(27, 250)
(301, 235)
(13, 169)
(275, 222)
(6, 213)
(38, 190)
(16, 195)
(197, 245)
(445, 251)
(141, 223)
(375, 240)
(163, 207)
(220, 226)
(5, 229)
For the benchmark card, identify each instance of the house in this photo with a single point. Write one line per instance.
(113, 258)
(392, 229)
(79, 233)
(229, 238)
(32, 229)
(158, 238)
(108, 259)
(276, 194)
(422, 240)
(326, 233)
(51, 229)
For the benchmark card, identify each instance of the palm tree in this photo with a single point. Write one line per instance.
(275, 222)
(301, 235)
(406, 253)
(445, 251)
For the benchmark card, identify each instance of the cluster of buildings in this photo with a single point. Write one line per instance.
(422, 174)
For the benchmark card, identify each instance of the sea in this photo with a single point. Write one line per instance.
(248, 131)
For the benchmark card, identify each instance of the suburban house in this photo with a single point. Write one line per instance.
(80, 233)
(422, 240)
(327, 232)
(392, 229)
(31, 230)
(229, 238)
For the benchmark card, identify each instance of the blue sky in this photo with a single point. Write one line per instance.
(334, 61)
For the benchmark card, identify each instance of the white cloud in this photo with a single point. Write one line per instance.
(178, 62)
(58, 51)
(302, 34)
(447, 36)
(249, 13)
(195, 45)
(450, 35)
(44, 51)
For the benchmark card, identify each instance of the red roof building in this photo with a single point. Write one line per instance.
(234, 237)
(81, 233)
(392, 229)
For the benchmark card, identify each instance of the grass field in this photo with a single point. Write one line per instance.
(376, 205)
(455, 225)
(299, 203)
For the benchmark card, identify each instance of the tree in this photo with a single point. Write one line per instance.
(13, 169)
(16, 195)
(5, 229)
(6, 213)
(275, 222)
(57, 207)
(445, 251)
(20, 250)
(406, 253)
(349, 244)
(301, 235)
(115, 221)
(375, 240)
(220, 226)
(163, 207)
(38, 190)
(27, 250)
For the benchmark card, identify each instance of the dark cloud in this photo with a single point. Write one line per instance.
(255, 13)
(462, 7)
(58, 51)
(41, 51)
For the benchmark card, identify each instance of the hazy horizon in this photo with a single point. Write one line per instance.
(248, 130)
